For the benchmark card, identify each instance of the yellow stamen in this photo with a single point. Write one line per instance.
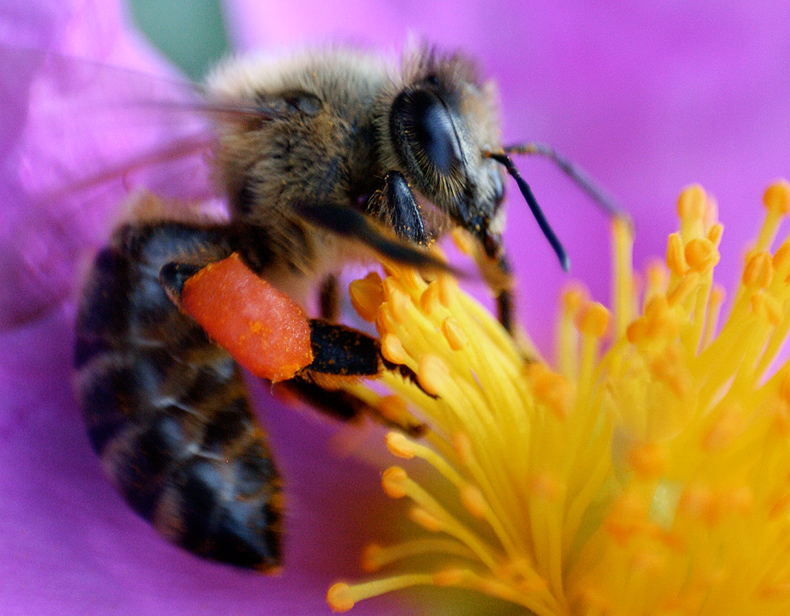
(649, 475)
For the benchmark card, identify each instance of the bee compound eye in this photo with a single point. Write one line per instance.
(424, 126)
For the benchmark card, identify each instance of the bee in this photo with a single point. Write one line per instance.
(324, 158)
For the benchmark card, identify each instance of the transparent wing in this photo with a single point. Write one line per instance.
(76, 138)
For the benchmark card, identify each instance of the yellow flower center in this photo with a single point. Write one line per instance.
(649, 477)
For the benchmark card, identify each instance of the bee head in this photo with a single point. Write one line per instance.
(441, 124)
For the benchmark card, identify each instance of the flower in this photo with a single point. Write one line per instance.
(644, 97)
(649, 477)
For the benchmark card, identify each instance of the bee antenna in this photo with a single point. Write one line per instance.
(544, 225)
(579, 177)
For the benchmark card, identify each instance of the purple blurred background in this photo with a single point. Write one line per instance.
(647, 97)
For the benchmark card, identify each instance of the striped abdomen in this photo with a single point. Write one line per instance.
(167, 410)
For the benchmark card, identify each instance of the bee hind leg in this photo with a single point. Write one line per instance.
(342, 354)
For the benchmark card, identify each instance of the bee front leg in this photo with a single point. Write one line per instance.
(394, 203)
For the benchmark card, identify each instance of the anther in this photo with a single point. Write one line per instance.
(394, 409)
(367, 295)
(448, 287)
(648, 460)
(463, 447)
(431, 374)
(767, 307)
(593, 319)
(449, 577)
(572, 298)
(687, 284)
(724, 430)
(781, 259)
(701, 254)
(393, 480)
(399, 445)
(340, 598)
(456, 337)
(429, 300)
(715, 234)
(777, 197)
(392, 349)
(371, 558)
(759, 271)
(675, 258)
(473, 500)
(384, 322)
(426, 519)
(553, 391)
(692, 203)
(398, 301)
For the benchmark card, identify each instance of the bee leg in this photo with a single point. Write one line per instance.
(346, 222)
(394, 203)
(342, 354)
(329, 298)
(504, 305)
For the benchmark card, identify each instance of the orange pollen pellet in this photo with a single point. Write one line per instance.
(393, 480)
(392, 349)
(692, 203)
(399, 445)
(676, 261)
(593, 319)
(339, 597)
(473, 500)
(456, 337)
(759, 270)
(367, 295)
(431, 373)
(777, 197)
(701, 254)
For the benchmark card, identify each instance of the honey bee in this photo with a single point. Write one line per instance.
(323, 158)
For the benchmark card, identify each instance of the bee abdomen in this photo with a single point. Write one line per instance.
(167, 410)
